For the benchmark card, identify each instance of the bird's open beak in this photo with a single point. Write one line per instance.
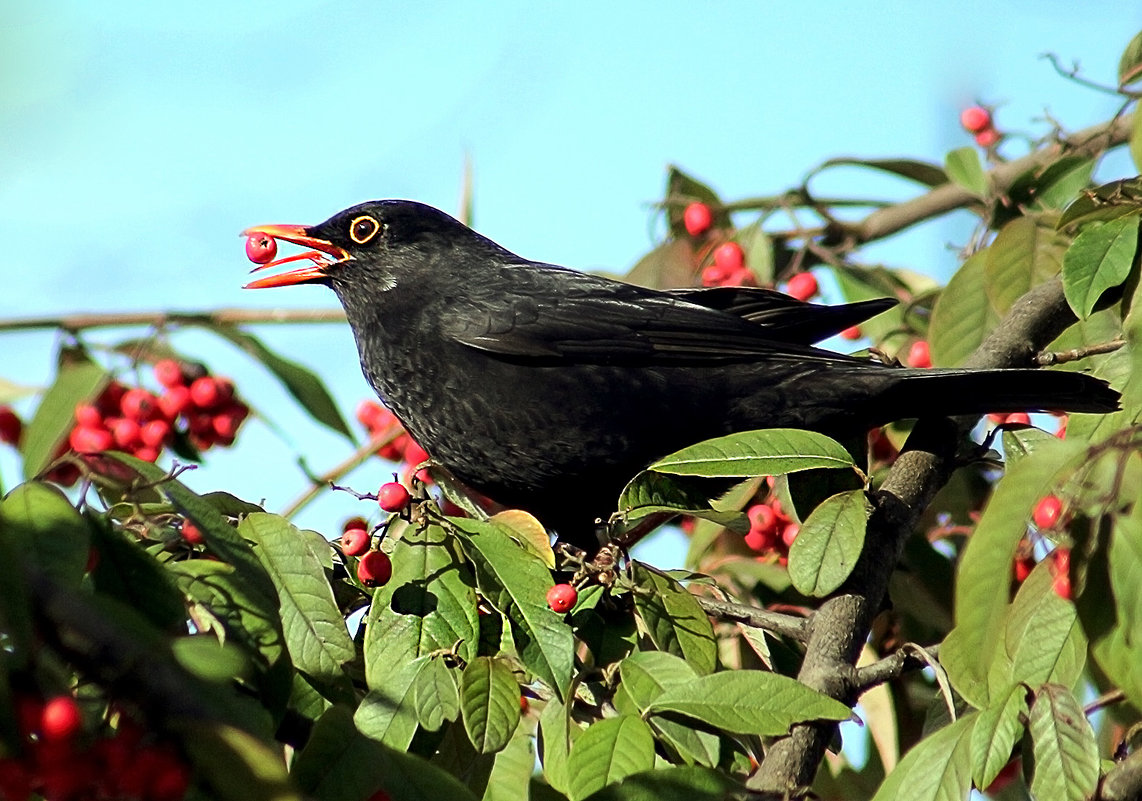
(299, 235)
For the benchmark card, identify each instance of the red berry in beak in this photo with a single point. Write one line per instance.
(261, 249)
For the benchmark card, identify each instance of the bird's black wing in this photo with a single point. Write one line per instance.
(554, 316)
(785, 318)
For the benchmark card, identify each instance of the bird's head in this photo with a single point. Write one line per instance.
(380, 235)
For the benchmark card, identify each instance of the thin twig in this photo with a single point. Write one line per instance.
(322, 482)
(1048, 357)
(907, 658)
(1108, 698)
(160, 319)
(785, 625)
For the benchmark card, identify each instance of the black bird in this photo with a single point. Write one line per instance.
(547, 389)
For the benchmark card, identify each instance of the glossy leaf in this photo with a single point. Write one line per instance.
(303, 384)
(829, 543)
(314, 629)
(1121, 198)
(1099, 259)
(428, 605)
(489, 701)
(646, 674)
(388, 712)
(522, 527)
(963, 167)
(997, 729)
(437, 693)
(749, 702)
(76, 382)
(652, 493)
(921, 172)
(1063, 746)
(1026, 252)
(938, 768)
(963, 315)
(672, 618)
(511, 771)
(515, 582)
(773, 451)
(556, 734)
(669, 783)
(607, 752)
(1125, 557)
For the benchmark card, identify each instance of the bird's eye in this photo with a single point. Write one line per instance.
(362, 229)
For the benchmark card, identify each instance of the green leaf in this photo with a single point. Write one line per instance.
(749, 702)
(607, 752)
(669, 266)
(428, 605)
(338, 763)
(315, 632)
(388, 713)
(651, 493)
(211, 660)
(304, 385)
(984, 574)
(1130, 65)
(525, 529)
(512, 770)
(437, 694)
(683, 189)
(76, 382)
(556, 733)
(39, 523)
(829, 543)
(1125, 557)
(670, 783)
(128, 573)
(672, 618)
(1135, 142)
(1061, 181)
(758, 249)
(996, 731)
(489, 701)
(921, 172)
(963, 315)
(1019, 443)
(1099, 258)
(516, 583)
(773, 451)
(1041, 640)
(646, 674)
(938, 768)
(1026, 252)
(1063, 745)
(964, 168)
(1121, 198)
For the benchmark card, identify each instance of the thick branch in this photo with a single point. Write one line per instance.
(838, 629)
(785, 625)
(1124, 781)
(942, 199)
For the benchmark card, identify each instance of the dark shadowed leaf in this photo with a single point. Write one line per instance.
(671, 783)
(39, 523)
(76, 382)
(237, 766)
(437, 694)
(128, 573)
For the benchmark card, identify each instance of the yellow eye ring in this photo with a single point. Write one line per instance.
(363, 228)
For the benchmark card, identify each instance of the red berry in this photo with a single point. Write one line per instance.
(90, 440)
(1061, 583)
(10, 426)
(697, 218)
(1018, 419)
(730, 257)
(851, 333)
(155, 433)
(1047, 512)
(789, 533)
(380, 795)
(261, 248)
(374, 569)
(61, 718)
(413, 453)
(762, 518)
(146, 453)
(987, 138)
(15, 780)
(761, 541)
(29, 712)
(393, 497)
(743, 276)
(138, 404)
(1061, 433)
(127, 433)
(803, 286)
(204, 392)
(174, 401)
(524, 704)
(715, 275)
(169, 779)
(225, 425)
(562, 597)
(168, 372)
(371, 414)
(92, 560)
(920, 354)
(355, 522)
(975, 119)
(191, 533)
(355, 541)
(88, 415)
(1023, 567)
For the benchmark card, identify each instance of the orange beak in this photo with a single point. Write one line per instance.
(314, 273)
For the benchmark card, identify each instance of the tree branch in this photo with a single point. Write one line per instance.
(785, 625)
(838, 629)
(160, 319)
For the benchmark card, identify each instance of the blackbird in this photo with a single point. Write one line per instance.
(547, 389)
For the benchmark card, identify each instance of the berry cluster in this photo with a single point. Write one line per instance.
(202, 407)
(378, 420)
(1048, 514)
(771, 531)
(57, 761)
(374, 568)
(978, 121)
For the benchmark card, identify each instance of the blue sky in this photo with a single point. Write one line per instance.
(137, 140)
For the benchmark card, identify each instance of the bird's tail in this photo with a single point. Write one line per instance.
(912, 392)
